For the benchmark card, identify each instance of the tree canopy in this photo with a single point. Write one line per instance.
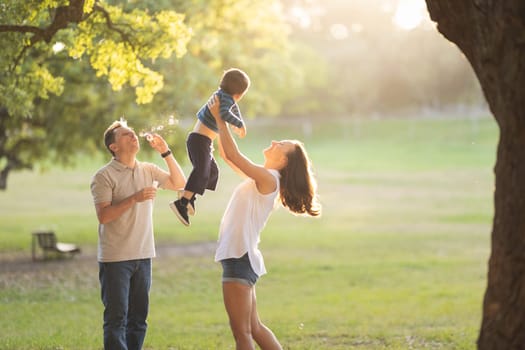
(40, 37)
(70, 67)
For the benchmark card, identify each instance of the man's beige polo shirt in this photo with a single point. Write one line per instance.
(130, 236)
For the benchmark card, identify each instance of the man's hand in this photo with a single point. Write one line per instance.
(158, 143)
(107, 212)
(145, 194)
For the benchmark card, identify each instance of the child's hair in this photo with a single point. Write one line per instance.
(298, 185)
(109, 135)
(234, 81)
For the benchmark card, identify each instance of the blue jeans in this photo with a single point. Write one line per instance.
(125, 289)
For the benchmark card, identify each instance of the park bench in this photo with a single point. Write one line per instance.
(47, 242)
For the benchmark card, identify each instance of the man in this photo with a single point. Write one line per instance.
(123, 192)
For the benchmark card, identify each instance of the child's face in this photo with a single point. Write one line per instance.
(237, 97)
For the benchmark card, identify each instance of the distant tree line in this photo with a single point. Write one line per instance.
(365, 63)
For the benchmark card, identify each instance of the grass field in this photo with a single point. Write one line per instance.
(397, 261)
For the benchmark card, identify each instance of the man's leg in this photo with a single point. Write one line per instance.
(114, 282)
(138, 304)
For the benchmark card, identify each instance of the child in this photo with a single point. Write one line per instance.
(233, 85)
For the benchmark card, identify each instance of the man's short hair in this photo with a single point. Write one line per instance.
(109, 135)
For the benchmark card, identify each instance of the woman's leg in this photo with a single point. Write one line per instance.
(238, 302)
(262, 334)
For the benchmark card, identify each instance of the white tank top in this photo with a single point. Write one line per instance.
(242, 223)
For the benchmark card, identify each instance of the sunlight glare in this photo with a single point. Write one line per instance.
(58, 46)
(301, 16)
(339, 31)
(387, 6)
(357, 27)
(123, 122)
(409, 14)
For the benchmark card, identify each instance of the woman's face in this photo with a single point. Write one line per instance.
(276, 154)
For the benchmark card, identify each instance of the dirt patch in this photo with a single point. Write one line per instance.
(21, 266)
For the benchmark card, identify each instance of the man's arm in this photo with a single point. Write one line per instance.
(176, 179)
(107, 212)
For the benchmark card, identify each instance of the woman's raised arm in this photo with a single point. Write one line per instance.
(264, 180)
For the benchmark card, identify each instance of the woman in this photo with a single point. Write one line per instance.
(285, 175)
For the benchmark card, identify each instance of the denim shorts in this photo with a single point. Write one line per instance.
(238, 270)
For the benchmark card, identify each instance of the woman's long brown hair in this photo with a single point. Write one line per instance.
(298, 184)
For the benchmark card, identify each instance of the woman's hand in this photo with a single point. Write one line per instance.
(241, 132)
(214, 106)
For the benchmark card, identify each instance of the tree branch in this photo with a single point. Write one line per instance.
(125, 37)
(19, 29)
(64, 15)
(19, 57)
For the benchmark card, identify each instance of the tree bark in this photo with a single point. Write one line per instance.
(491, 34)
(63, 16)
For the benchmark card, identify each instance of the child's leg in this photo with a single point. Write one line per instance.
(199, 148)
(187, 198)
(199, 152)
(188, 195)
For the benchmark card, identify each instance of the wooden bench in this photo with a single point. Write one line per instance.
(47, 241)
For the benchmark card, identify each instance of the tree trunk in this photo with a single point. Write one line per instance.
(3, 178)
(491, 34)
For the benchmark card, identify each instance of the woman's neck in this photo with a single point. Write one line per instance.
(272, 165)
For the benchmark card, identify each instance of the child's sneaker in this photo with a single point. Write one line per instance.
(191, 202)
(191, 206)
(181, 210)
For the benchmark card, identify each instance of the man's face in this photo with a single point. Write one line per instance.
(126, 141)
